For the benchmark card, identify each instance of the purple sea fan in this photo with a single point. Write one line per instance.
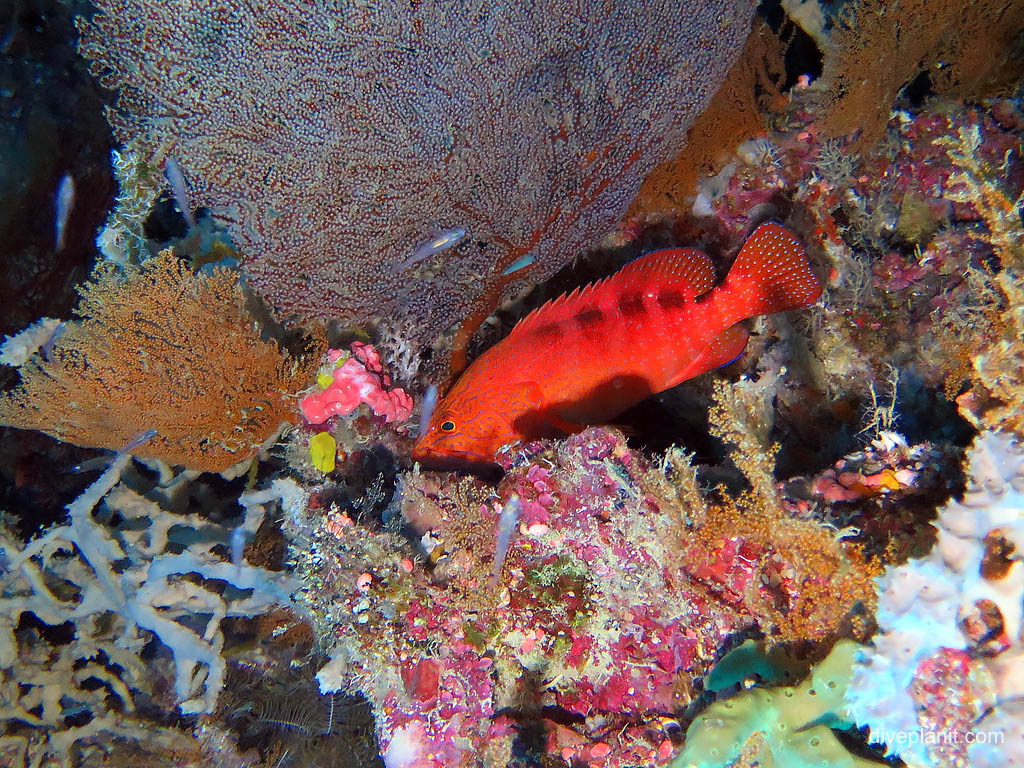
(334, 138)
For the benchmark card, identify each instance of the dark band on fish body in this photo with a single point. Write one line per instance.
(589, 317)
(631, 305)
(671, 300)
(549, 332)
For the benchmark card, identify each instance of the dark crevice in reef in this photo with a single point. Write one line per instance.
(802, 57)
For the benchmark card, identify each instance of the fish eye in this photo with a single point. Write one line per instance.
(448, 426)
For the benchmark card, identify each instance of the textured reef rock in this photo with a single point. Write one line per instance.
(415, 162)
(883, 495)
(618, 589)
(943, 683)
(335, 140)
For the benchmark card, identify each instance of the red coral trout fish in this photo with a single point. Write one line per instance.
(585, 357)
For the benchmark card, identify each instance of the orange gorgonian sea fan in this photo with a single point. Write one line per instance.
(165, 350)
(335, 138)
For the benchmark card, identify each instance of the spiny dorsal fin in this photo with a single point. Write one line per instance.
(562, 307)
(686, 270)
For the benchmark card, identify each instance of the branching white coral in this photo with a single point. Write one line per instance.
(146, 572)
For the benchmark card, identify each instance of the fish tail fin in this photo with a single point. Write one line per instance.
(771, 274)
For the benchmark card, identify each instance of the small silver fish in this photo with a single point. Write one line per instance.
(102, 462)
(64, 202)
(506, 527)
(521, 263)
(178, 189)
(442, 242)
(427, 409)
(237, 539)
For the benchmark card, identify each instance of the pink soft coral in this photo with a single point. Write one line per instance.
(360, 379)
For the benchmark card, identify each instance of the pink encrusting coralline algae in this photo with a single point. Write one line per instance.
(349, 382)
(593, 628)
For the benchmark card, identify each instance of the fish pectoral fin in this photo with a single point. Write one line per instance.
(546, 423)
(525, 396)
(536, 418)
(725, 348)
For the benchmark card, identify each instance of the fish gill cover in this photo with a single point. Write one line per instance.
(335, 138)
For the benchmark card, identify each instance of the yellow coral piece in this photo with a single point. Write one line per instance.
(323, 380)
(887, 479)
(322, 450)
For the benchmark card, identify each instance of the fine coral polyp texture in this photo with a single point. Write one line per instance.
(334, 142)
(166, 350)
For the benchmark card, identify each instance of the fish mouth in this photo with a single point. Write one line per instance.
(453, 461)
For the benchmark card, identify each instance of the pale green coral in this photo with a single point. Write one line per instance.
(751, 660)
(787, 727)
